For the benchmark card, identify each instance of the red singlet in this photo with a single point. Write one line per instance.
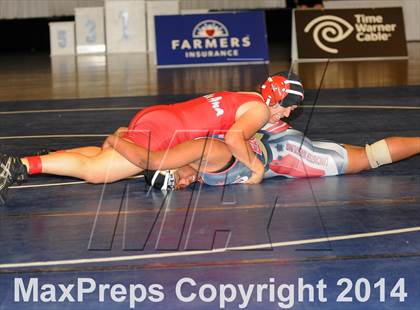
(159, 127)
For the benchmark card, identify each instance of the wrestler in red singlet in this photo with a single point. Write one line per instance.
(169, 125)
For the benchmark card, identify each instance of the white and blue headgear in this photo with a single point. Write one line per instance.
(163, 180)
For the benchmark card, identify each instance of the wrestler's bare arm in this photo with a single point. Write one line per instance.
(242, 130)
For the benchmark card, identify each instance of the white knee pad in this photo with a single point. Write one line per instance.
(378, 154)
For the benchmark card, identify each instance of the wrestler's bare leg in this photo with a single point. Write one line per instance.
(96, 165)
(104, 167)
(399, 147)
(89, 151)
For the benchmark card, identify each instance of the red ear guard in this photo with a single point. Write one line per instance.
(284, 88)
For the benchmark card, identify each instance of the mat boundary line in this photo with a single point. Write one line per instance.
(208, 252)
(62, 183)
(142, 107)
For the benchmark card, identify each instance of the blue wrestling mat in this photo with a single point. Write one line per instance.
(346, 242)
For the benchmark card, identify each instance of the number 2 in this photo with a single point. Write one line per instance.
(342, 297)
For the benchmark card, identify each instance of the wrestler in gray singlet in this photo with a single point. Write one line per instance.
(284, 151)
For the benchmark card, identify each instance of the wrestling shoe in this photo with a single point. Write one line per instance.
(11, 171)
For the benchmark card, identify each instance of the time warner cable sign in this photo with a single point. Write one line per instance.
(202, 39)
(349, 33)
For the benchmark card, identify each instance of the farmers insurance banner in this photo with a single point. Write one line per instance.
(201, 39)
(350, 33)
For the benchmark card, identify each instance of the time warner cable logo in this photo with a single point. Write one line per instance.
(330, 29)
(210, 38)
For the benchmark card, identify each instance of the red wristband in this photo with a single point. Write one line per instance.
(35, 164)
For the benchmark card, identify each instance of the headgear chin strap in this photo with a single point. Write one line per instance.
(163, 180)
(284, 88)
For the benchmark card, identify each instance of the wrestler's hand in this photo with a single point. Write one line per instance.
(109, 142)
(257, 173)
(121, 131)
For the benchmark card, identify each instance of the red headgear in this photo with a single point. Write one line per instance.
(282, 87)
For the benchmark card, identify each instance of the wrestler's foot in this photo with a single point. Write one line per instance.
(11, 171)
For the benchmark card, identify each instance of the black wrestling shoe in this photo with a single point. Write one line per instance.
(11, 171)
